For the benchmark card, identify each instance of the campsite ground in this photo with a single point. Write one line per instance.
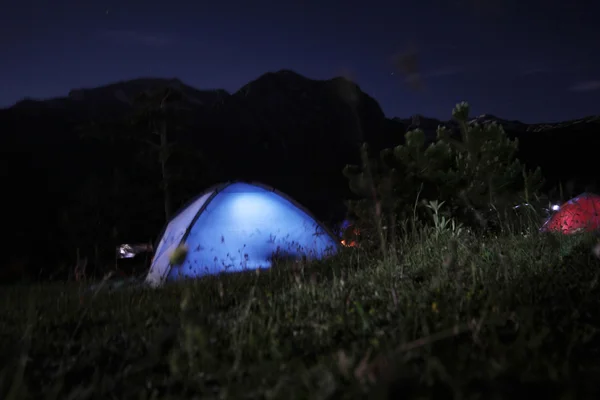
(444, 317)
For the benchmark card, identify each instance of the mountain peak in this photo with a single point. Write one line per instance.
(287, 73)
(291, 79)
(283, 77)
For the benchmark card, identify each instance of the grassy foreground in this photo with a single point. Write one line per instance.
(443, 318)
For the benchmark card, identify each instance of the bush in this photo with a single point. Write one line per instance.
(476, 175)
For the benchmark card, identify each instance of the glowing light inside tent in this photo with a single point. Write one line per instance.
(555, 207)
(255, 209)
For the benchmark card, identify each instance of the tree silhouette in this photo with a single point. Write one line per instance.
(157, 109)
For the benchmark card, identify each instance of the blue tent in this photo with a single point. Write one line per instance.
(234, 227)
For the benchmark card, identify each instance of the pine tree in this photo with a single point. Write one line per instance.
(472, 174)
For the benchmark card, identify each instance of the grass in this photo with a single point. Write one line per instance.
(445, 316)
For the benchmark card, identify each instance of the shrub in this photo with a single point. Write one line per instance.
(476, 175)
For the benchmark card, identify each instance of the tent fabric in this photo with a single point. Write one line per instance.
(580, 214)
(238, 226)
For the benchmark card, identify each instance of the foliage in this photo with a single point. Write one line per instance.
(472, 175)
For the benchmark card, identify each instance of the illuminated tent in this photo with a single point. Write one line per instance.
(234, 227)
(580, 214)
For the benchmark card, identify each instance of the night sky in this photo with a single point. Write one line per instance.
(532, 60)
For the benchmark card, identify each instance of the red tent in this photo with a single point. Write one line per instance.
(580, 214)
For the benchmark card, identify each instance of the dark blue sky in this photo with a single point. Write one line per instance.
(531, 60)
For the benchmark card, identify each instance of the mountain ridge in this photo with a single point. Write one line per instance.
(143, 83)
